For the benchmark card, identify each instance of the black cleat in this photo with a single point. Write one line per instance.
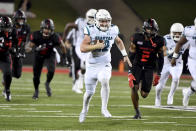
(137, 116)
(35, 95)
(48, 89)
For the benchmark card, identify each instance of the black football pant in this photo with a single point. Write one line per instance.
(145, 75)
(38, 65)
(16, 67)
(5, 66)
(75, 65)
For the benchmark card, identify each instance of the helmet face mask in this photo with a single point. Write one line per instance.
(150, 28)
(47, 27)
(90, 16)
(103, 20)
(176, 31)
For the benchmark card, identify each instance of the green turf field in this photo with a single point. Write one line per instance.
(61, 111)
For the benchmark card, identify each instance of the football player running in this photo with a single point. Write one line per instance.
(78, 58)
(23, 32)
(145, 49)
(98, 40)
(189, 35)
(170, 43)
(8, 40)
(44, 41)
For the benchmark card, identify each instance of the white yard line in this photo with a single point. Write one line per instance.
(160, 122)
(178, 108)
(21, 109)
(44, 111)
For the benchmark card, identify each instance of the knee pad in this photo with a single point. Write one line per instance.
(105, 82)
(90, 89)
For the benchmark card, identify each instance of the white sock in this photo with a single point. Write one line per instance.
(86, 100)
(105, 91)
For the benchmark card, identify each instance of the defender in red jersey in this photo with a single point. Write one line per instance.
(145, 50)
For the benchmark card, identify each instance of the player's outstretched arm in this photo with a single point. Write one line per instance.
(180, 43)
(121, 47)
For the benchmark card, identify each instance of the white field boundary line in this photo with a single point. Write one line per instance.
(45, 111)
(20, 109)
(177, 108)
(160, 122)
(88, 116)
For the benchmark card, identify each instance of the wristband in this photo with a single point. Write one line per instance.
(175, 55)
(123, 52)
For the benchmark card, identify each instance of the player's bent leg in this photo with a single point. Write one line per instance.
(76, 86)
(8, 78)
(105, 91)
(159, 88)
(187, 93)
(81, 79)
(104, 77)
(135, 99)
(174, 85)
(90, 90)
(175, 73)
(190, 91)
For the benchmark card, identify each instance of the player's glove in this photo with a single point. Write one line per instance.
(131, 78)
(156, 80)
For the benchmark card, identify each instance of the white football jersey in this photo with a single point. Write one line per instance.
(190, 34)
(81, 23)
(72, 35)
(101, 55)
(170, 45)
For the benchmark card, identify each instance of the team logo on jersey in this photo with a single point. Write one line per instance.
(103, 38)
(140, 42)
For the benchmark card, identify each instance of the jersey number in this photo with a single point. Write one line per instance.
(145, 56)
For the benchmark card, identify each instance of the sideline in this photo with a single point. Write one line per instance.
(61, 70)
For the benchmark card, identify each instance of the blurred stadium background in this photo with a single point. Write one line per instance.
(61, 111)
(127, 14)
